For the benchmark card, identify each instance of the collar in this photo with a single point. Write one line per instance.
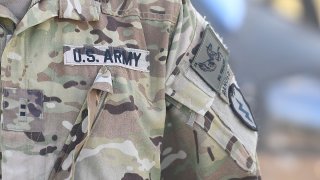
(6, 13)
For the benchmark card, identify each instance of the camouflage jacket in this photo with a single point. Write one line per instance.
(119, 89)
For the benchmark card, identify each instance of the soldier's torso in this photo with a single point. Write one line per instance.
(83, 93)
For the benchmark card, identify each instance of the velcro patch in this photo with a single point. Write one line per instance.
(211, 63)
(241, 108)
(135, 59)
(22, 110)
(227, 80)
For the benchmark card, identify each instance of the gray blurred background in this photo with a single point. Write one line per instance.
(275, 53)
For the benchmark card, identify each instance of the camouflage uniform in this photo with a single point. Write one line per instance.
(104, 90)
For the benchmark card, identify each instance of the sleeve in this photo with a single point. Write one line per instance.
(210, 131)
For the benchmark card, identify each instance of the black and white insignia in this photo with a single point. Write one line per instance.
(241, 108)
(210, 64)
(211, 61)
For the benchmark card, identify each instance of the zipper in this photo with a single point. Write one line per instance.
(100, 106)
(95, 94)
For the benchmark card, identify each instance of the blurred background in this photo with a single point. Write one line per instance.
(275, 53)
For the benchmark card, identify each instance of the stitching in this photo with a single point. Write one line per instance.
(107, 46)
(142, 17)
(141, 14)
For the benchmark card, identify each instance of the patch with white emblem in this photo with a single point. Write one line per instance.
(135, 59)
(241, 108)
(211, 63)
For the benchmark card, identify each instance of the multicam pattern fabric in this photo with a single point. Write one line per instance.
(112, 122)
(22, 110)
(204, 150)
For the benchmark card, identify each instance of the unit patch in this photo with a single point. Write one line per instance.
(135, 59)
(211, 62)
(241, 108)
(227, 81)
(22, 110)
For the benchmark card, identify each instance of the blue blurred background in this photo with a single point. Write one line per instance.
(275, 53)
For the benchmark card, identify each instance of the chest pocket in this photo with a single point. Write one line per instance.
(158, 10)
(212, 104)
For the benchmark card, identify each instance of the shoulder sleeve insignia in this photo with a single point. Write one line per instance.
(241, 108)
(211, 62)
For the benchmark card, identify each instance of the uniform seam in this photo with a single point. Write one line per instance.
(144, 18)
(141, 14)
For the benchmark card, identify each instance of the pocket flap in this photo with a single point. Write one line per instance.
(186, 93)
